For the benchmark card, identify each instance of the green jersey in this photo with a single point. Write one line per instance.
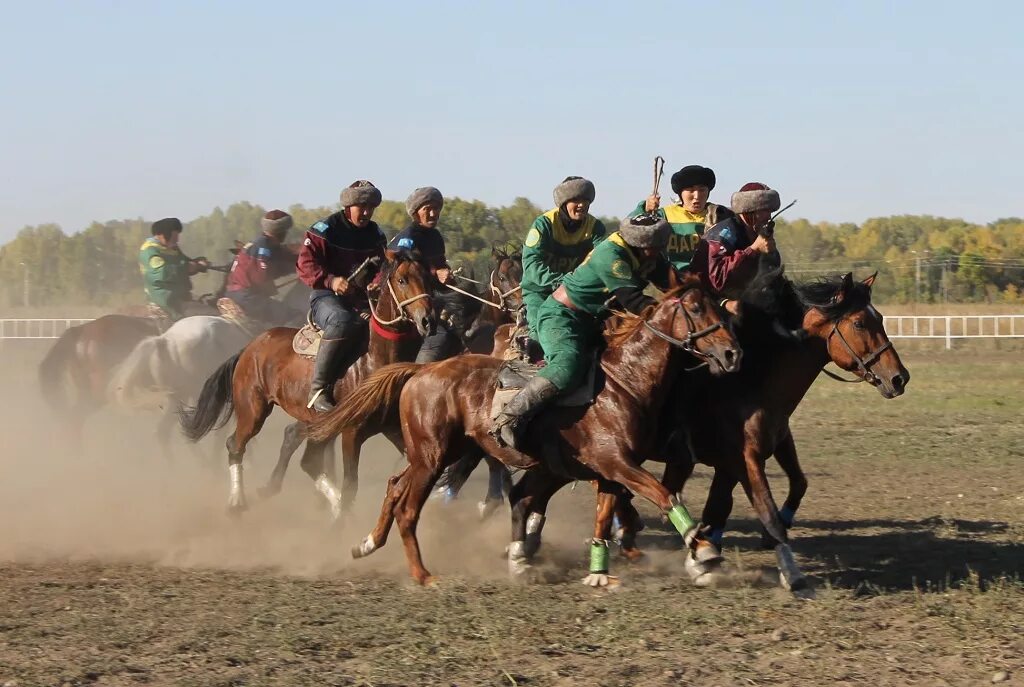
(611, 266)
(551, 251)
(165, 275)
(687, 228)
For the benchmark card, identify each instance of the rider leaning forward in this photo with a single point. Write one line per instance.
(251, 280)
(334, 248)
(727, 257)
(557, 243)
(424, 207)
(166, 270)
(691, 216)
(569, 322)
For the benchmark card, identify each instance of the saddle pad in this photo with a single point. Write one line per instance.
(306, 341)
(512, 379)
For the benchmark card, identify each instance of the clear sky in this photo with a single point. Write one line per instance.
(859, 109)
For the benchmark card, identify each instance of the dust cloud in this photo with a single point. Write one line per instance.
(116, 498)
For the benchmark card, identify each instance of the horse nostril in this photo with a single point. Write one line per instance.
(897, 383)
(731, 356)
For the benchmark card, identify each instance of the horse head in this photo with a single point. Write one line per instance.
(405, 294)
(505, 279)
(841, 315)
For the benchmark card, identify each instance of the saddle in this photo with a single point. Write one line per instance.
(232, 311)
(306, 341)
(514, 374)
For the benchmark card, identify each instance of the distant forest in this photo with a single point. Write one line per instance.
(919, 258)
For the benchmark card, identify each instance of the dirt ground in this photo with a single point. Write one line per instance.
(120, 568)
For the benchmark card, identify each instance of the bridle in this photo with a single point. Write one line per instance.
(502, 296)
(402, 314)
(687, 344)
(863, 364)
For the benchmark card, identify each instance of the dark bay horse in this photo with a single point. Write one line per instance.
(445, 413)
(268, 372)
(733, 423)
(506, 298)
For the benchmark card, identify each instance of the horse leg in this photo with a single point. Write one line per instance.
(627, 524)
(497, 477)
(251, 411)
(420, 479)
(755, 484)
(313, 465)
(163, 431)
(528, 500)
(718, 506)
(703, 558)
(379, 536)
(351, 447)
(294, 435)
(607, 495)
(785, 454)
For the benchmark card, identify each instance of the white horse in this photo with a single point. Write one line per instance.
(165, 371)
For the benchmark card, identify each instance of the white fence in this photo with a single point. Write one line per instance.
(945, 327)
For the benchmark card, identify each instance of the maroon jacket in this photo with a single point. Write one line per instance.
(334, 247)
(257, 266)
(724, 260)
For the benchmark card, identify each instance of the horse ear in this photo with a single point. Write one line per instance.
(844, 288)
(869, 282)
(498, 254)
(674, 280)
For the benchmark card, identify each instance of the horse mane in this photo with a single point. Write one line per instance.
(625, 324)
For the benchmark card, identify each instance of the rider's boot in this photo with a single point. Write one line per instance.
(517, 413)
(325, 373)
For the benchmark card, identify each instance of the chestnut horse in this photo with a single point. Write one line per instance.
(267, 372)
(445, 412)
(789, 332)
(506, 297)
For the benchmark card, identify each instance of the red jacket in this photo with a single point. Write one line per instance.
(257, 266)
(724, 260)
(334, 247)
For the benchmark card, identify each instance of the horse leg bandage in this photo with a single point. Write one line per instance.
(598, 556)
(680, 519)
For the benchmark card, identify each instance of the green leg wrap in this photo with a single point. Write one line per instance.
(598, 556)
(680, 519)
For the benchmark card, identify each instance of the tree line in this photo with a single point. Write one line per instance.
(919, 258)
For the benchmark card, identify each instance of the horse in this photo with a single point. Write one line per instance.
(504, 299)
(268, 373)
(788, 332)
(445, 413)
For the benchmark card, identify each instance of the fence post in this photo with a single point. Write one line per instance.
(949, 334)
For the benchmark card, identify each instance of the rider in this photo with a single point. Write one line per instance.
(424, 207)
(691, 216)
(251, 280)
(557, 243)
(569, 321)
(334, 249)
(727, 257)
(166, 270)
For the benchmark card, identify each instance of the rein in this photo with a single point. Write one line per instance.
(691, 336)
(500, 305)
(862, 363)
(402, 315)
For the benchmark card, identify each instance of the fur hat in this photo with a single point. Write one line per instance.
(360, 192)
(645, 231)
(572, 188)
(165, 227)
(693, 175)
(276, 223)
(421, 197)
(755, 196)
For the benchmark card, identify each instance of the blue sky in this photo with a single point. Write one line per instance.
(859, 109)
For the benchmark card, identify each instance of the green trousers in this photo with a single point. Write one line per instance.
(568, 338)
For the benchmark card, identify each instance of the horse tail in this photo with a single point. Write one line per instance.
(136, 372)
(53, 368)
(215, 403)
(374, 397)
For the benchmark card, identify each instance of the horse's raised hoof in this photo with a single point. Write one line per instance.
(631, 554)
(485, 509)
(365, 547)
(704, 573)
(267, 492)
(602, 580)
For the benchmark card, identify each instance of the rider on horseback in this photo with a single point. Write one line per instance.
(569, 321)
(424, 207)
(691, 216)
(250, 283)
(166, 270)
(727, 257)
(557, 243)
(334, 248)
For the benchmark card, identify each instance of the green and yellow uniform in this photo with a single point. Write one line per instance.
(550, 252)
(687, 228)
(165, 276)
(569, 336)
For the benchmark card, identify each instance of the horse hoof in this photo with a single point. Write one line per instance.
(601, 580)
(235, 510)
(632, 555)
(267, 492)
(706, 573)
(365, 548)
(427, 581)
(486, 508)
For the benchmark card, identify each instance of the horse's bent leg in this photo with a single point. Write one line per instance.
(379, 536)
(785, 454)
(607, 496)
(529, 499)
(755, 483)
(294, 435)
(313, 465)
(629, 525)
(498, 477)
(250, 414)
(719, 505)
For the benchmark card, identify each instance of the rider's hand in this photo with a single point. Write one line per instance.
(763, 245)
(444, 275)
(652, 203)
(339, 285)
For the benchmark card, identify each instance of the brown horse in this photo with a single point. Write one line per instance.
(506, 298)
(445, 412)
(789, 332)
(268, 372)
